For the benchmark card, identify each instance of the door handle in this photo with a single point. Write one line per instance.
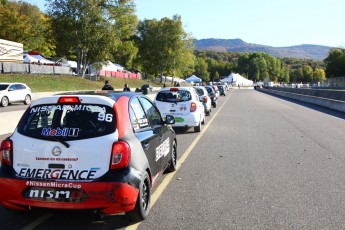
(147, 146)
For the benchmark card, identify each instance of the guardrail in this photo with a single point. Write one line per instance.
(333, 99)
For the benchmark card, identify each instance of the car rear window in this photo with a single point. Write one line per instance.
(174, 96)
(67, 122)
(209, 90)
(200, 91)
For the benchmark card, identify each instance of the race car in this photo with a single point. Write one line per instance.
(101, 150)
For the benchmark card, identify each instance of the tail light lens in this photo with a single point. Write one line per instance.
(205, 99)
(120, 155)
(6, 150)
(193, 107)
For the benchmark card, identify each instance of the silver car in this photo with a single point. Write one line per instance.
(204, 98)
(14, 92)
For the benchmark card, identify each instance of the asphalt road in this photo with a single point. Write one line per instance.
(261, 162)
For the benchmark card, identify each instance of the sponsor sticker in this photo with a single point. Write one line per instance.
(163, 149)
(58, 174)
(179, 119)
(60, 132)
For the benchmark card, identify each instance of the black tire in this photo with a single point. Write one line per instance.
(27, 99)
(208, 113)
(4, 102)
(204, 120)
(214, 104)
(197, 129)
(142, 206)
(173, 161)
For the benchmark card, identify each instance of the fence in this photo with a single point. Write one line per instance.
(333, 82)
(9, 67)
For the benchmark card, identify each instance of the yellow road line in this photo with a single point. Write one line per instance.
(162, 186)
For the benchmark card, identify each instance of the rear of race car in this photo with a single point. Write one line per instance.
(67, 153)
(177, 101)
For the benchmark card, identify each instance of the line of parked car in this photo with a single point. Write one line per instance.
(189, 105)
(102, 151)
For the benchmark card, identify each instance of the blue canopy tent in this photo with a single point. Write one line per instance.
(193, 79)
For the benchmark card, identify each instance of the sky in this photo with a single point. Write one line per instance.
(277, 23)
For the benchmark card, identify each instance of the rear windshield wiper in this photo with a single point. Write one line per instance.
(59, 140)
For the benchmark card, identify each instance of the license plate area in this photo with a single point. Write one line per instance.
(54, 194)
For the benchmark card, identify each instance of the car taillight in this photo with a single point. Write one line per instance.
(69, 100)
(193, 107)
(174, 89)
(120, 155)
(6, 150)
(205, 99)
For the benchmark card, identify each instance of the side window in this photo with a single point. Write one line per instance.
(12, 87)
(152, 113)
(138, 116)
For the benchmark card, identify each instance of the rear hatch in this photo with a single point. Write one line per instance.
(65, 140)
(174, 101)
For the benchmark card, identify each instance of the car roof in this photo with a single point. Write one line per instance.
(103, 95)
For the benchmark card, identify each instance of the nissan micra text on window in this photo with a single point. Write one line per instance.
(184, 104)
(101, 151)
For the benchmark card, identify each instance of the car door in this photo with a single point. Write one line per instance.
(144, 132)
(13, 93)
(161, 132)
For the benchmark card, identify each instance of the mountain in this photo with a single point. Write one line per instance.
(314, 52)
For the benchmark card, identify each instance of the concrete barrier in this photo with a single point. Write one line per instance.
(338, 105)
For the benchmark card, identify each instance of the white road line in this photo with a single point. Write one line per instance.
(162, 186)
(37, 222)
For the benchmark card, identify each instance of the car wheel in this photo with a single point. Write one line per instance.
(4, 102)
(142, 206)
(204, 120)
(208, 112)
(214, 104)
(197, 129)
(27, 99)
(173, 162)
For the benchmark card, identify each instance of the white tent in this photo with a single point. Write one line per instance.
(235, 79)
(42, 60)
(109, 66)
(29, 59)
(72, 64)
(193, 79)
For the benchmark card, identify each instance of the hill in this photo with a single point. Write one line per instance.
(314, 52)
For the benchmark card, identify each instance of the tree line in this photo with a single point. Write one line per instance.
(94, 31)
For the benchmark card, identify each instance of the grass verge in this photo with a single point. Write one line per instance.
(49, 83)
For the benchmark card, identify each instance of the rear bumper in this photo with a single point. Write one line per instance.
(190, 120)
(108, 197)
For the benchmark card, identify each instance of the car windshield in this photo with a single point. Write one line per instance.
(174, 96)
(3, 86)
(67, 122)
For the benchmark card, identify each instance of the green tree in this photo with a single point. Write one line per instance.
(335, 63)
(88, 29)
(307, 74)
(25, 23)
(164, 47)
(201, 69)
(319, 75)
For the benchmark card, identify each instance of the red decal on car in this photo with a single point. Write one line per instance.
(121, 110)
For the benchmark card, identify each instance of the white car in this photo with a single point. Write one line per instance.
(184, 104)
(14, 92)
(205, 99)
(102, 151)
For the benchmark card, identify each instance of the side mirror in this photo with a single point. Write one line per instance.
(169, 119)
